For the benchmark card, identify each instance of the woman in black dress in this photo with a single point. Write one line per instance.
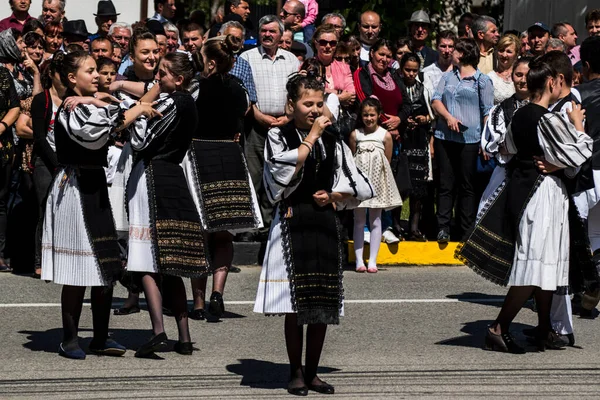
(216, 167)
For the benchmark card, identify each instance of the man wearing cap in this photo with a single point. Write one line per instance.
(420, 25)
(19, 16)
(105, 17)
(486, 35)
(75, 32)
(538, 35)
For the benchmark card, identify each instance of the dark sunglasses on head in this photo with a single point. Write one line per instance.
(324, 42)
(342, 59)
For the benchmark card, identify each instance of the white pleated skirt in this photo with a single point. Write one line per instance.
(116, 192)
(140, 254)
(67, 254)
(274, 296)
(542, 248)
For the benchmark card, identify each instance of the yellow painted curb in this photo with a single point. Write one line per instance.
(411, 253)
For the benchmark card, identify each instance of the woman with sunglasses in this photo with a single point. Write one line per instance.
(337, 73)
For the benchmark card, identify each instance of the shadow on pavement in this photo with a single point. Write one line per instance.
(48, 341)
(265, 374)
(476, 334)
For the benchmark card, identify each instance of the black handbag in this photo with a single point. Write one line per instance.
(399, 166)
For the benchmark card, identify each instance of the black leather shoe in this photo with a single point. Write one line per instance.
(184, 348)
(235, 270)
(126, 310)
(216, 307)
(324, 388)
(417, 236)
(551, 341)
(156, 343)
(299, 391)
(5, 268)
(503, 342)
(443, 237)
(198, 314)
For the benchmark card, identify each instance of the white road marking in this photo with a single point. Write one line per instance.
(249, 303)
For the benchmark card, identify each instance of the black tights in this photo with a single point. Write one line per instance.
(415, 214)
(315, 337)
(516, 298)
(175, 299)
(72, 303)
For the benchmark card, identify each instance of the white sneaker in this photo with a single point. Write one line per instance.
(367, 237)
(389, 237)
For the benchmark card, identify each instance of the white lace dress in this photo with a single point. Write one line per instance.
(370, 159)
(502, 89)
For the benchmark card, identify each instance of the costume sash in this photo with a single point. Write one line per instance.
(178, 243)
(99, 221)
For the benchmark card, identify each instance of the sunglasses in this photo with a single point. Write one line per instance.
(343, 59)
(285, 13)
(324, 42)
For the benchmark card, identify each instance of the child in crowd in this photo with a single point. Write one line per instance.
(308, 24)
(372, 148)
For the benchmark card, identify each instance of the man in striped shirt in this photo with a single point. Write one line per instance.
(271, 67)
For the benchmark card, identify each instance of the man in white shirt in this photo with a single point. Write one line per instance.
(271, 67)
(433, 73)
(369, 29)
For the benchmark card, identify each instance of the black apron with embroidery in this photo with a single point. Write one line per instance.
(311, 238)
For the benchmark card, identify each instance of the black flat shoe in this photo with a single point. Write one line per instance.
(216, 307)
(235, 270)
(198, 314)
(156, 343)
(324, 388)
(126, 310)
(503, 343)
(552, 341)
(299, 391)
(417, 236)
(185, 348)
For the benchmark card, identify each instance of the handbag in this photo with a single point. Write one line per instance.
(486, 166)
(399, 165)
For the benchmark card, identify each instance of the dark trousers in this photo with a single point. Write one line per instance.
(457, 163)
(5, 178)
(42, 179)
(254, 149)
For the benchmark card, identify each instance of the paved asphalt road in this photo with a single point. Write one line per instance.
(408, 332)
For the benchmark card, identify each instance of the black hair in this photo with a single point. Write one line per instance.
(138, 35)
(181, 65)
(590, 53)
(102, 62)
(383, 43)
(313, 67)
(512, 32)
(469, 50)
(192, 26)
(539, 72)
(74, 47)
(50, 68)
(71, 64)
(31, 38)
(409, 57)
(32, 25)
(522, 60)
(368, 102)
(561, 63)
(298, 82)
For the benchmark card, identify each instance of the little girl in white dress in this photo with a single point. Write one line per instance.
(372, 148)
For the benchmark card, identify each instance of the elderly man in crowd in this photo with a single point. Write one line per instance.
(101, 47)
(292, 14)
(337, 20)
(172, 36)
(420, 25)
(164, 10)
(271, 67)
(53, 10)
(105, 17)
(120, 32)
(369, 29)
(486, 35)
(539, 33)
(566, 34)
(235, 10)
(19, 17)
(555, 44)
